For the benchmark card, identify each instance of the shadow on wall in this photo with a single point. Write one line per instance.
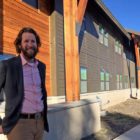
(89, 27)
(113, 125)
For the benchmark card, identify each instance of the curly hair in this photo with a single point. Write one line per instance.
(18, 39)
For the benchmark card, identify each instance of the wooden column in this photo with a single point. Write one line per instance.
(71, 51)
(137, 53)
(80, 14)
(81, 10)
(73, 13)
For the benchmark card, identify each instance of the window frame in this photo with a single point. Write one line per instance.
(118, 47)
(29, 2)
(125, 81)
(119, 81)
(103, 36)
(104, 81)
(83, 79)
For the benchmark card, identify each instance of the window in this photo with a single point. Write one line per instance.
(118, 47)
(107, 81)
(119, 81)
(103, 36)
(83, 77)
(33, 3)
(125, 82)
(5, 56)
(104, 80)
(132, 82)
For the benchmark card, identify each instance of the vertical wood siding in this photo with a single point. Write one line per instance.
(18, 14)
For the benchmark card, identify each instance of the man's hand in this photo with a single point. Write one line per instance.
(1, 130)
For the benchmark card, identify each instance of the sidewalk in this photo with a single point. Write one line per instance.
(132, 134)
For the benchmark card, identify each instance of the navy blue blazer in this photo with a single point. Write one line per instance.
(11, 81)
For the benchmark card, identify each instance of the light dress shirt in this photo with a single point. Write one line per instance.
(32, 102)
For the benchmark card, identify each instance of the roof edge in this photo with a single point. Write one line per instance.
(107, 11)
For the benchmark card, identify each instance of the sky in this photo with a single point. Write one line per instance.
(127, 12)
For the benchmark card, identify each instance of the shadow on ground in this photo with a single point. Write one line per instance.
(113, 125)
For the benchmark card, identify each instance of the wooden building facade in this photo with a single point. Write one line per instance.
(84, 47)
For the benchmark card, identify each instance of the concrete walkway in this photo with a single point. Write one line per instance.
(132, 134)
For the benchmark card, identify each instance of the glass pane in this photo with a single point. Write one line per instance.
(107, 85)
(124, 55)
(106, 34)
(102, 86)
(116, 48)
(117, 78)
(107, 76)
(83, 86)
(116, 43)
(118, 87)
(101, 30)
(120, 78)
(119, 49)
(102, 78)
(106, 41)
(101, 38)
(127, 79)
(83, 73)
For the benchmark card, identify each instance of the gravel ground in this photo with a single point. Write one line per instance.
(119, 119)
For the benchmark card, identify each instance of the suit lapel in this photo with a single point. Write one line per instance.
(19, 70)
(41, 72)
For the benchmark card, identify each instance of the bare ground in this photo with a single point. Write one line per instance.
(119, 119)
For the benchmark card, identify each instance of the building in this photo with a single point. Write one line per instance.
(88, 54)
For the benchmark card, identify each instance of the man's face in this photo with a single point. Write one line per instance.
(29, 46)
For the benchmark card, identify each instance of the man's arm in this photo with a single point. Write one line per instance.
(2, 82)
(2, 75)
(1, 130)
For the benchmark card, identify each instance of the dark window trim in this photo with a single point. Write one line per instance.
(34, 4)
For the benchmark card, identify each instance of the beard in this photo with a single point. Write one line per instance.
(29, 53)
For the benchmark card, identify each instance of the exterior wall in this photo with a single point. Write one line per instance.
(1, 23)
(18, 14)
(130, 66)
(95, 56)
(57, 50)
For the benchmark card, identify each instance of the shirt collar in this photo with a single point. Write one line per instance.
(24, 61)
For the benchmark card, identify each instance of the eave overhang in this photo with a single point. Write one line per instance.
(111, 17)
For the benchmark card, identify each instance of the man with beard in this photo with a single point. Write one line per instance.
(22, 79)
